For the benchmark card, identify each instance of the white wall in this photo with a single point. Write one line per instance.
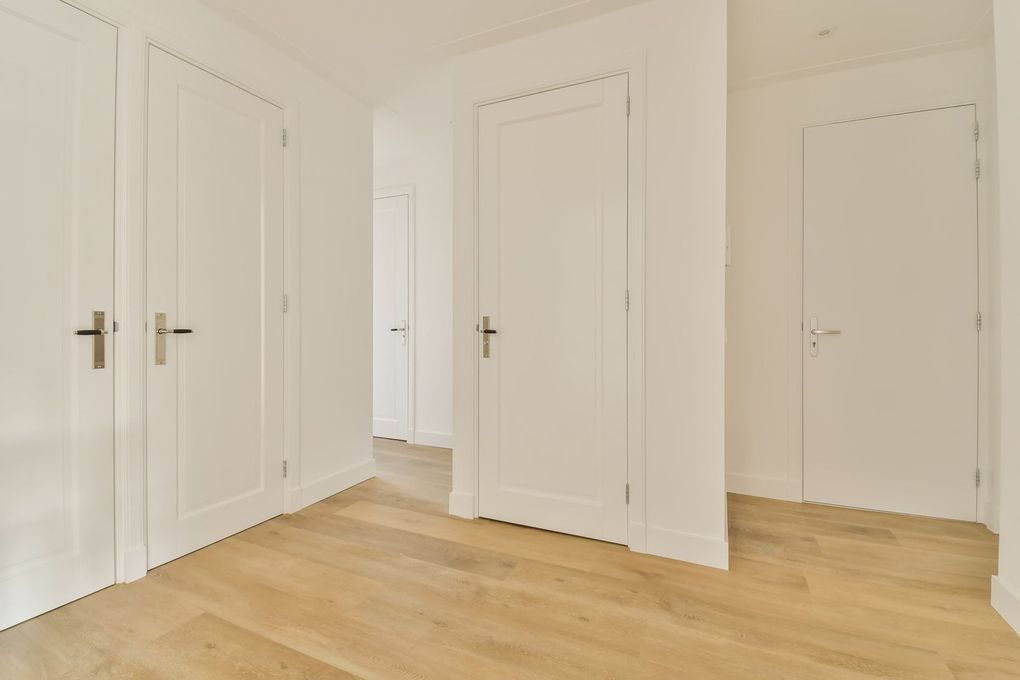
(1006, 586)
(763, 442)
(414, 146)
(678, 505)
(328, 204)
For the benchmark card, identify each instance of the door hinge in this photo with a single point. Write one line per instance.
(977, 131)
(626, 300)
(285, 304)
(627, 494)
(977, 477)
(977, 169)
(628, 106)
(980, 322)
(284, 469)
(285, 138)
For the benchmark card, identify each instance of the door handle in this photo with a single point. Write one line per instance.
(161, 332)
(817, 332)
(401, 329)
(97, 333)
(486, 333)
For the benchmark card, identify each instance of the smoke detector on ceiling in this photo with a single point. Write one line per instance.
(824, 32)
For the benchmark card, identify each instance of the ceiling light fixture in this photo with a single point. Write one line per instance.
(824, 32)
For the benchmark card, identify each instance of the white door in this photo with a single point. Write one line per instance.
(390, 317)
(57, 105)
(552, 266)
(215, 268)
(890, 261)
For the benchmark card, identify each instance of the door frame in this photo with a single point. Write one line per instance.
(464, 496)
(987, 511)
(408, 190)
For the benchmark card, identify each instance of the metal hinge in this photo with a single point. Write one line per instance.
(284, 469)
(977, 477)
(285, 137)
(628, 106)
(977, 169)
(626, 300)
(628, 494)
(285, 305)
(980, 321)
(977, 131)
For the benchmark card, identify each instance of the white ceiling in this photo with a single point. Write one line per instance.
(371, 47)
(776, 39)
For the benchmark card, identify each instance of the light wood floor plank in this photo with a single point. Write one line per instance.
(379, 582)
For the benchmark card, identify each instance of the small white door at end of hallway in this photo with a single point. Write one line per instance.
(58, 70)
(890, 308)
(390, 317)
(552, 333)
(215, 336)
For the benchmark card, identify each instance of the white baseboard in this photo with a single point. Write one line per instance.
(313, 492)
(1007, 602)
(756, 485)
(442, 440)
(462, 505)
(710, 552)
(136, 564)
(990, 517)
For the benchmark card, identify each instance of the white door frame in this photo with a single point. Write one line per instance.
(412, 318)
(136, 33)
(464, 497)
(987, 507)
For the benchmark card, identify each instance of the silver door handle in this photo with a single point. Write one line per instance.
(815, 333)
(161, 332)
(402, 329)
(97, 332)
(486, 334)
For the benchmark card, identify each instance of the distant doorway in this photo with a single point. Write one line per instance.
(391, 314)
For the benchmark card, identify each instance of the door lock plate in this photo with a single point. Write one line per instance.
(160, 338)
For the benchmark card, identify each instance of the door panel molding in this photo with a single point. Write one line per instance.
(199, 220)
(464, 497)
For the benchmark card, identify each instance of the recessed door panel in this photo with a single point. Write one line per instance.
(553, 327)
(57, 98)
(215, 265)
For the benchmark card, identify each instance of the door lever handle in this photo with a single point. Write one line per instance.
(488, 331)
(97, 332)
(819, 331)
(173, 331)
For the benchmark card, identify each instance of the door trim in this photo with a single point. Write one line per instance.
(464, 497)
(408, 190)
(795, 295)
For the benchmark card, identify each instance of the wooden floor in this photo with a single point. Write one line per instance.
(377, 582)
